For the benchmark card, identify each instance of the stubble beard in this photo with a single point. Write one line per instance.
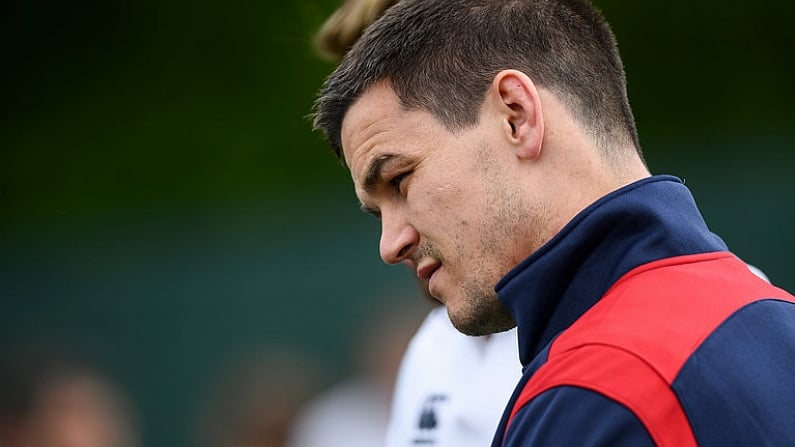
(516, 227)
(481, 312)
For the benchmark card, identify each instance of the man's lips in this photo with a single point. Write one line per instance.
(425, 271)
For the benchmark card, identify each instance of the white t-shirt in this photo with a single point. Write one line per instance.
(451, 389)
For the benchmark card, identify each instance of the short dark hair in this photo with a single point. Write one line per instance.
(442, 56)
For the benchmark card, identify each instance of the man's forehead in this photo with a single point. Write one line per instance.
(367, 117)
(374, 102)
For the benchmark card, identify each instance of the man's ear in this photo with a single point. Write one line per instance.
(518, 106)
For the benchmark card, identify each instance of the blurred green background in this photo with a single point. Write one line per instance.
(164, 201)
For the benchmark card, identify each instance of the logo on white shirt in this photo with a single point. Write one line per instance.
(429, 419)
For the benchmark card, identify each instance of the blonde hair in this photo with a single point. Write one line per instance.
(341, 30)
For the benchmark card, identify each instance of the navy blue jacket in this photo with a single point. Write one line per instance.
(637, 327)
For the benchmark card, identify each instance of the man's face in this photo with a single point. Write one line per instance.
(448, 203)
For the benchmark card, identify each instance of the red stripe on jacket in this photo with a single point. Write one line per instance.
(631, 345)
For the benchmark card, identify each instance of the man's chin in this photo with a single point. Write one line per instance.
(482, 323)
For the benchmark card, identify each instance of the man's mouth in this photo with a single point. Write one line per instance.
(425, 271)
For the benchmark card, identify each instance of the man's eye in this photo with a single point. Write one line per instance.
(397, 181)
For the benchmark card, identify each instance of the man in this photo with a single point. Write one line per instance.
(451, 388)
(495, 142)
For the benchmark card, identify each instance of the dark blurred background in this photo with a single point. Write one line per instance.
(165, 205)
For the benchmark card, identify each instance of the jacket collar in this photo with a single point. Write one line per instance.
(651, 219)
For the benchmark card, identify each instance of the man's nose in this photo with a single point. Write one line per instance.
(398, 238)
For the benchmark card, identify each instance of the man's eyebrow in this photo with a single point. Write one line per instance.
(375, 171)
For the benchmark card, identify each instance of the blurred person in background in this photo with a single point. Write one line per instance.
(354, 411)
(451, 388)
(496, 144)
(51, 396)
(255, 398)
